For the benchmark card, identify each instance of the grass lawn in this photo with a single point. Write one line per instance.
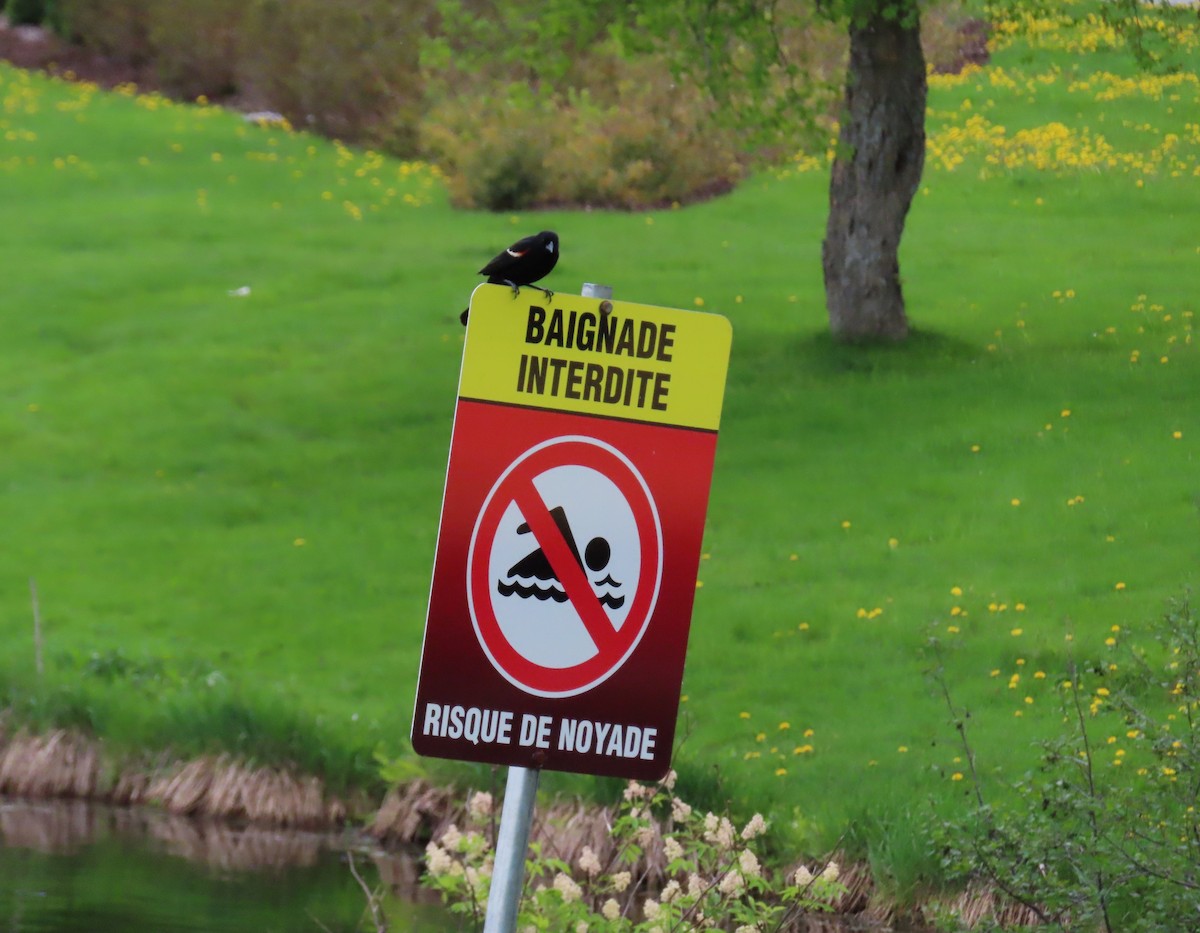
(228, 369)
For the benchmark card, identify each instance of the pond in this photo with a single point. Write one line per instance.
(71, 867)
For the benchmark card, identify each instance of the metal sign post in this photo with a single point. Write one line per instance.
(508, 873)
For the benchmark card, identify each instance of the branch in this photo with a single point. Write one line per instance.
(377, 915)
(1093, 797)
(939, 676)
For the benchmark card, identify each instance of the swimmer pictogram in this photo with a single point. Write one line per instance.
(535, 567)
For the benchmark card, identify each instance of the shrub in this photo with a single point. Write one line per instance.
(195, 46)
(347, 69)
(115, 28)
(1105, 834)
(650, 143)
(26, 12)
(711, 875)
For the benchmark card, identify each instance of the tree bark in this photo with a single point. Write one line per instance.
(876, 171)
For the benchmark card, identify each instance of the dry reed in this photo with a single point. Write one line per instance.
(68, 765)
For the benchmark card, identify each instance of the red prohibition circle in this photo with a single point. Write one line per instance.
(614, 646)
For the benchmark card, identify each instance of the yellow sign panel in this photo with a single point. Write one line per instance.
(596, 357)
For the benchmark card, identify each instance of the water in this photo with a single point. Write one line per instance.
(70, 867)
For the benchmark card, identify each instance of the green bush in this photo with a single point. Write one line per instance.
(649, 143)
(347, 70)
(26, 12)
(115, 28)
(1105, 833)
(192, 48)
(666, 865)
(195, 46)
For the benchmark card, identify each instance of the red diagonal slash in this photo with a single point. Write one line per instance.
(574, 581)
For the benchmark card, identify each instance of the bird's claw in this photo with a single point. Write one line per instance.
(516, 289)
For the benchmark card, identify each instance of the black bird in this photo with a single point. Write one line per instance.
(529, 259)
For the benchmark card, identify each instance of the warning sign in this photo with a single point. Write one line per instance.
(564, 566)
(571, 528)
(656, 365)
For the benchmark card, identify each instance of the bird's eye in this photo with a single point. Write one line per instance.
(550, 246)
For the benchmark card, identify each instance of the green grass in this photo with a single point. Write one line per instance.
(241, 493)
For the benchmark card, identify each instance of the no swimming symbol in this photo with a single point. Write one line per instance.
(553, 619)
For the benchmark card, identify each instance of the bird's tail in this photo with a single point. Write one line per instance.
(463, 317)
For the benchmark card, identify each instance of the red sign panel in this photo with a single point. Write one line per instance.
(564, 578)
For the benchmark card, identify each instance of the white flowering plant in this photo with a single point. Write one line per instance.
(709, 875)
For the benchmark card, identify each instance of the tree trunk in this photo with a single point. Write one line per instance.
(876, 170)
